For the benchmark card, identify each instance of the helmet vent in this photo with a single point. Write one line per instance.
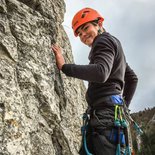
(75, 23)
(84, 14)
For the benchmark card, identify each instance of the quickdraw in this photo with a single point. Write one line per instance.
(121, 123)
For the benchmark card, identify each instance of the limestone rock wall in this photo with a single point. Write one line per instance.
(40, 108)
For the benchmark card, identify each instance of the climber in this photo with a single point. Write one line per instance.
(112, 83)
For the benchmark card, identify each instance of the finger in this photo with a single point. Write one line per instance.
(57, 46)
(54, 49)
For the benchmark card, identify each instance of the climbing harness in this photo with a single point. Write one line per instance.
(120, 134)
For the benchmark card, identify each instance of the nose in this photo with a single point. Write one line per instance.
(83, 34)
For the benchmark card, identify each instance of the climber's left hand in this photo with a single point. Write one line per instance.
(58, 56)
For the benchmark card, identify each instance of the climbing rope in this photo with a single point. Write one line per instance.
(84, 130)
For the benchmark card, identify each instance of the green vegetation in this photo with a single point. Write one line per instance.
(147, 122)
(147, 146)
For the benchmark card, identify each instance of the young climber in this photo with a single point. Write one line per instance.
(112, 83)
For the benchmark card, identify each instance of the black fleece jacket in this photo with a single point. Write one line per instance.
(107, 73)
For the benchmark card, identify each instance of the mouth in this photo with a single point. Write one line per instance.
(87, 37)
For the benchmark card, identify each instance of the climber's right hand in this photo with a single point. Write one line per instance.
(57, 50)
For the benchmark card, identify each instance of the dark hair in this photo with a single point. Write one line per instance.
(94, 22)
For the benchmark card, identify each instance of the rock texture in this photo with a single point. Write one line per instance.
(40, 108)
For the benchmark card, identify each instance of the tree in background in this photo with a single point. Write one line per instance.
(148, 144)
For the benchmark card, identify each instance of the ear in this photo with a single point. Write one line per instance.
(100, 23)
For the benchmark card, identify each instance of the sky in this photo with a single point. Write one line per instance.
(133, 23)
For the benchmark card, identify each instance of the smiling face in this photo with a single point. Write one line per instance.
(87, 33)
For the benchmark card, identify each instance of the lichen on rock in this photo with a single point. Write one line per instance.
(40, 108)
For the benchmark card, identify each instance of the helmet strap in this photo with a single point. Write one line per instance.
(99, 23)
(100, 31)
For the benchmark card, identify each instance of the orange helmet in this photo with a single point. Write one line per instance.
(83, 16)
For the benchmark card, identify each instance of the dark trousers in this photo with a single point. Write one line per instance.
(98, 145)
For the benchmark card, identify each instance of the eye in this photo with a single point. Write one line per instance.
(79, 34)
(85, 28)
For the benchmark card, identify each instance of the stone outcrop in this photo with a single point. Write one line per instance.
(40, 108)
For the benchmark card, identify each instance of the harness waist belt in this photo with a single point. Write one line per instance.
(107, 101)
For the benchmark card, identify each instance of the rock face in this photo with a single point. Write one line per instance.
(40, 108)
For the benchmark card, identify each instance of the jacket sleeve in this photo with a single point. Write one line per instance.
(131, 81)
(99, 71)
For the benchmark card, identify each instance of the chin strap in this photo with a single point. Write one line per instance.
(100, 31)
